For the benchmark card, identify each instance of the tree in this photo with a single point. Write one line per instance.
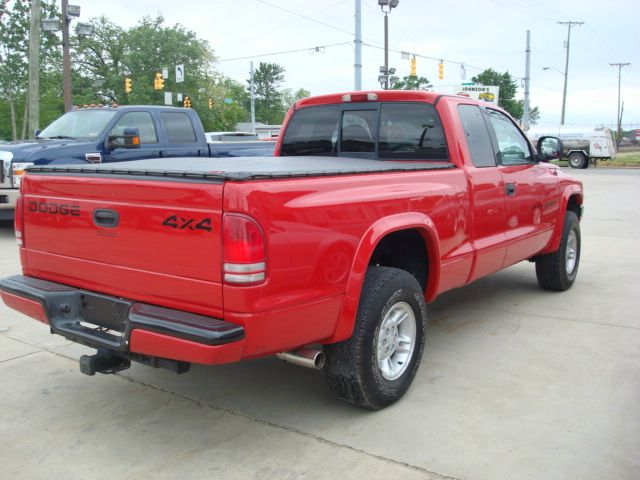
(412, 82)
(507, 86)
(139, 53)
(290, 97)
(270, 105)
(14, 61)
(508, 89)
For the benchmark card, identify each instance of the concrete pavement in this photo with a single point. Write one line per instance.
(515, 383)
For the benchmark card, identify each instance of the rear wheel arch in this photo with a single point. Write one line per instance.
(571, 202)
(382, 235)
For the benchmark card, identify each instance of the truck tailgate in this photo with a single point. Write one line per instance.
(148, 240)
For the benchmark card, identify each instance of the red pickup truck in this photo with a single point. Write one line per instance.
(325, 254)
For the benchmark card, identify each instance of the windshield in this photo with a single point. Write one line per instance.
(79, 124)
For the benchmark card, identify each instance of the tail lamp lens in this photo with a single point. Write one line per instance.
(17, 221)
(243, 250)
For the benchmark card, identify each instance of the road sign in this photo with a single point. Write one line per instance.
(168, 98)
(178, 97)
(228, 101)
(179, 73)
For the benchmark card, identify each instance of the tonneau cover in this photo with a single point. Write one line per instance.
(242, 168)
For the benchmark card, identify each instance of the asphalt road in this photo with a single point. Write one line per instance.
(515, 383)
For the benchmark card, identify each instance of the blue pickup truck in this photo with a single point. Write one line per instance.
(114, 134)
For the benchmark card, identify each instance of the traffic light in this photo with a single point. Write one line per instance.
(210, 103)
(128, 85)
(412, 68)
(186, 103)
(158, 82)
(441, 70)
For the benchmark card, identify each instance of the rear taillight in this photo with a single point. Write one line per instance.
(243, 251)
(18, 222)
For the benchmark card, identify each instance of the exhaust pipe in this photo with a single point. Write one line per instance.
(305, 357)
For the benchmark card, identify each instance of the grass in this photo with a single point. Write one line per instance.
(623, 159)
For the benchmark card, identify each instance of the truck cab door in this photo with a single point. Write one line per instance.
(531, 190)
(149, 143)
(487, 194)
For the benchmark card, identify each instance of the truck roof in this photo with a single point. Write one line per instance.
(371, 96)
(127, 107)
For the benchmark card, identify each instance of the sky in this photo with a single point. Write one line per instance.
(480, 34)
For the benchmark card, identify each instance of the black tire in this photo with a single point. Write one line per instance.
(352, 368)
(577, 160)
(551, 270)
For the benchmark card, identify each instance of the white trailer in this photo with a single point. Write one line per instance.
(582, 145)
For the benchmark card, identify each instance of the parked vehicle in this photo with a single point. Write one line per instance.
(113, 134)
(582, 145)
(326, 254)
(218, 137)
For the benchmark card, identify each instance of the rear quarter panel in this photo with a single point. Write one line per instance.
(314, 227)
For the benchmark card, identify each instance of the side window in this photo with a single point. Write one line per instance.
(477, 135)
(411, 131)
(312, 131)
(140, 120)
(179, 127)
(359, 131)
(513, 147)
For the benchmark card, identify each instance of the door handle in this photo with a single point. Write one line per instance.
(105, 218)
(510, 188)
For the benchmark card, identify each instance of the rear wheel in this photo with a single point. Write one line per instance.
(376, 366)
(558, 270)
(578, 160)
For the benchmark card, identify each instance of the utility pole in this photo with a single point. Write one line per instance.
(34, 68)
(566, 66)
(357, 66)
(619, 118)
(527, 80)
(386, 49)
(252, 89)
(66, 57)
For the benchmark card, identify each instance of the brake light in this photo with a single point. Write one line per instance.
(360, 97)
(18, 222)
(243, 250)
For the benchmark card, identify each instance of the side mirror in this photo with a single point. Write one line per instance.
(36, 133)
(549, 148)
(130, 138)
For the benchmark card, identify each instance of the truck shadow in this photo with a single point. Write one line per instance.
(275, 391)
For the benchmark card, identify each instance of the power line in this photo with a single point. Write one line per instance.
(284, 25)
(316, 48)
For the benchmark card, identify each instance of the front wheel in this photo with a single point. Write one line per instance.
(558, 270)
(375, 367)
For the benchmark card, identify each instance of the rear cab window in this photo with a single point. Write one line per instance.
(385, 131)
(178, 127)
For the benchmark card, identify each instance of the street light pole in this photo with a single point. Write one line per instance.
(385, 70)
(566, 67)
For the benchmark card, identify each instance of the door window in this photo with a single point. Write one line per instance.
(477, 135)
(140, 120)
(512, 146)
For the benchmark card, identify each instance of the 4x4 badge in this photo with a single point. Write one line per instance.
(180, 223)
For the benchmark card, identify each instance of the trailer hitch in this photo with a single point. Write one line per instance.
(103, 362)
